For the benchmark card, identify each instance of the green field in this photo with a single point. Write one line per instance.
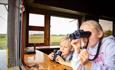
(36, 39)
(54, 40)
(3, 41)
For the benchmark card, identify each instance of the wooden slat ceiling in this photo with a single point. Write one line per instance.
(96, 7)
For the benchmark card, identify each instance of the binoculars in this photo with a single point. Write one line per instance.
(80, 34)
(56, 53)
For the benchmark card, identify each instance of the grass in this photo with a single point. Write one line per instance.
(3, 41)
(36, 39)
(54, 40)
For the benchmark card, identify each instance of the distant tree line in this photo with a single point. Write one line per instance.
(108, 32)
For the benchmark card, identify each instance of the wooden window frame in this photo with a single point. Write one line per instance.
(44, 28)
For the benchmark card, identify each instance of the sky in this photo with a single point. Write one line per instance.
(106, 25)
(3, 19)
(59, 25)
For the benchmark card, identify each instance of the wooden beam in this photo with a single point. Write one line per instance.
(36, 28)
(47, 30)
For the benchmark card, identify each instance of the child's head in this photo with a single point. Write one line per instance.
(96, 31)
(65, 46)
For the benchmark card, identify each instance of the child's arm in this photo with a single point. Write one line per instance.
(79, 60)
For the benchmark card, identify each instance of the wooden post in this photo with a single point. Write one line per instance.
(13, 20)
(47, 30)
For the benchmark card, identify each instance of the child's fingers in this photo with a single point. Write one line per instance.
(57, 58)
(83, 56)
(51, 55)
(76, 44)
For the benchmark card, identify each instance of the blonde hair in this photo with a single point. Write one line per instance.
(93, 24)
(66, 40)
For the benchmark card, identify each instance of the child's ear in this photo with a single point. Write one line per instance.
(100, 34)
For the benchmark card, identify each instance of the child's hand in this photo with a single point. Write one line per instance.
(59, 59)
(51, 55)
(76, 45)
(83, 56)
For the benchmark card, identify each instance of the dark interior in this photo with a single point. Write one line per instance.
(95, 7)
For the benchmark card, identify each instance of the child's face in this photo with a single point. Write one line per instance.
(65, 48)
(95, 35)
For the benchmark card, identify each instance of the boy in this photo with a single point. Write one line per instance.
(66, 52)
